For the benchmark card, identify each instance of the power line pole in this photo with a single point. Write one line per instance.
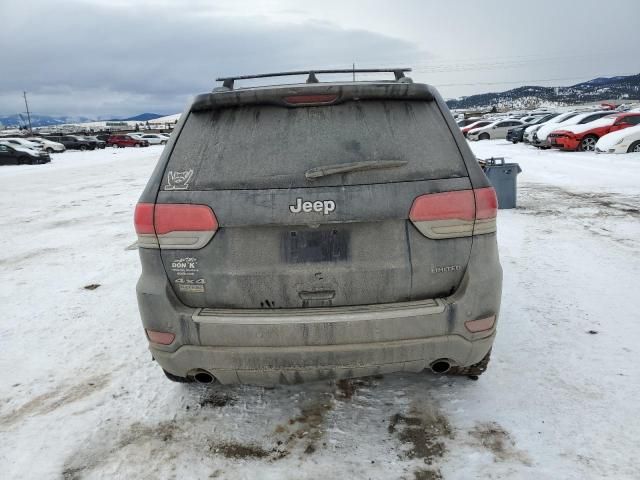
(28, 114)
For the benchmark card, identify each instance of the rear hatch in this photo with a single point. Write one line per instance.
(294, 230)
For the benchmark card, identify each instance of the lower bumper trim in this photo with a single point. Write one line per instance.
(288, 365)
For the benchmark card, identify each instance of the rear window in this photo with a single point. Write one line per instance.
(261, 146)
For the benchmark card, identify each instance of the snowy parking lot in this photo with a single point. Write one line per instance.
(81, 398)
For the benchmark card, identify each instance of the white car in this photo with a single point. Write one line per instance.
(497, 129)
(21, 142)
(621, 141)
(540, 137)
(152, 138)
(527, 135)
(48, 145)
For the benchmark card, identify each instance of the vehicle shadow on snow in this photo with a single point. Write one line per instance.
(399, 416)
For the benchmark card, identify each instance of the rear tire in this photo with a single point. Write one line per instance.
(474, 370)
(177, 379)
(164, 142)
(634, 147)
(49, 150)
(484, 136)
(588, 143)
(83, 148)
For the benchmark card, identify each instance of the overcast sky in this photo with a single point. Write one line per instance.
(122, 57)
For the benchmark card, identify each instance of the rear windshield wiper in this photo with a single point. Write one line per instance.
(318, 172)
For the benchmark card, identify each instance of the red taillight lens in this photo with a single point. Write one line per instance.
(183, 226)
(486, 203)
(310, 99)
(163, 338)
(143, 218)
(443, 206)
(454, 214)
(184, 218)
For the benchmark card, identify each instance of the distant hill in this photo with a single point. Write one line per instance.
(48, 120)
(143, 117)
(598, 89)
(39, 120)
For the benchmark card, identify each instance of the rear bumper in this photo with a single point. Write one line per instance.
(289, 365)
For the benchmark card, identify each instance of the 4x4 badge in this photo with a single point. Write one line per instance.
(324, 206)
(178, 180)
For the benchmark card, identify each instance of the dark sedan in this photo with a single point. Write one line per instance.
(98, 143)
(73, 142)
(21, 156)
(516, 134)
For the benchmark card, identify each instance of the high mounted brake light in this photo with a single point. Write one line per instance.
(306, 100)
(182, 226)
(460, 213)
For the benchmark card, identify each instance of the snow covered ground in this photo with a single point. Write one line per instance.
(81, 398)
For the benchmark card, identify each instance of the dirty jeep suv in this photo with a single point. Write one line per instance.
(320, 230)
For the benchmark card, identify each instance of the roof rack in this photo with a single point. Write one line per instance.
(227, 82)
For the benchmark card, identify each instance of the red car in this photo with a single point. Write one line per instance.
(478, 124)
(122, 141)
(584, 137)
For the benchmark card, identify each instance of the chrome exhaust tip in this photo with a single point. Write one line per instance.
(440, 366)
(204, 377)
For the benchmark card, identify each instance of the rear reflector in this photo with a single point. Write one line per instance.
(177, 226)
(481, 324)
(455, 214)
(163, 338)
(310, 99)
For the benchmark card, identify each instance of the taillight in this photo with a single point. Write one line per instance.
(460, 213)
(486, 210)
(183, 226)
(143, 221)
(304, 100)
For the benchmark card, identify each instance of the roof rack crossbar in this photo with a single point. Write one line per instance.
(229, 81)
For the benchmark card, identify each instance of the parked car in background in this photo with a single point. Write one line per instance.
(516, 134)
(494, 130)
(621, 141)
(531, 119)
(152, 138)
(11, 154)
(540, 137)
(585, 136)
(72, 142)
(21, 142)
(471, 126)
(467, 121)
(48, 145)
(122, 141)
(528, 136)
(98, 143)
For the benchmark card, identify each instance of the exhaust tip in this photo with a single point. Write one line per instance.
(204, 377)
(440, 366)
